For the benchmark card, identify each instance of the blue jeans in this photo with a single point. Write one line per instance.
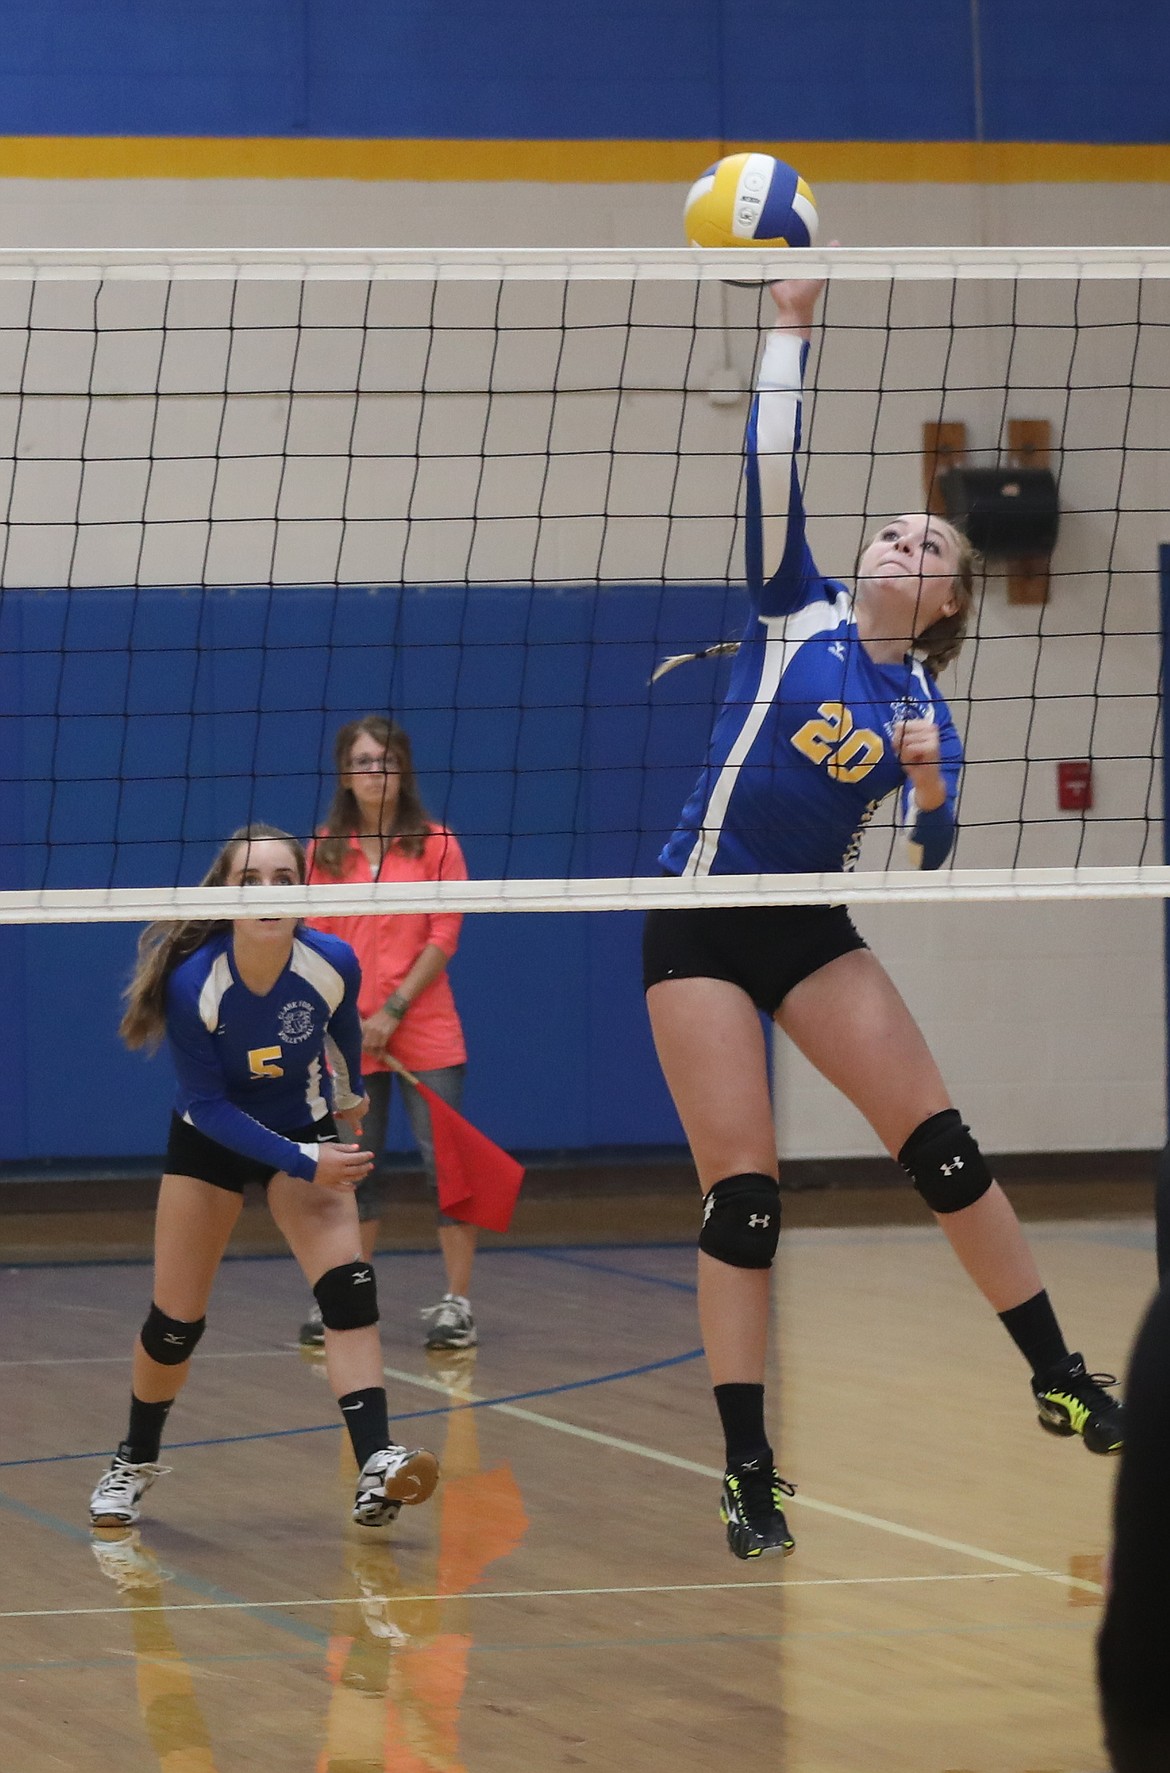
(373, 1195)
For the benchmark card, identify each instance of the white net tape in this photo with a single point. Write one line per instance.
(972, 886)
(547, 420)
(587, 264)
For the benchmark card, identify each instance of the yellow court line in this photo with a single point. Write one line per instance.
(570, 162)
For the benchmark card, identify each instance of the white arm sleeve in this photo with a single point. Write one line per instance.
(777, 418)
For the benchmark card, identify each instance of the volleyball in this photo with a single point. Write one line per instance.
(750, 200)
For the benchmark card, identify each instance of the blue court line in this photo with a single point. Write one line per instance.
(840, 1235)
(485, 1403)
(208, 1591)
(650, 1280)
(15, 1262)
(298, 1628)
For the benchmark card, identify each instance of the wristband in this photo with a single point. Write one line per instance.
(397, 1005)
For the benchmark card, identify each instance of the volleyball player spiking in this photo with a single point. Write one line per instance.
(833, 704)
(252, 1011)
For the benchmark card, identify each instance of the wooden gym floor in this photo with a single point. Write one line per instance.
(567, 1599)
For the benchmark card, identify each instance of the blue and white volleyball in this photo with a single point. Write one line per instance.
(750, 200)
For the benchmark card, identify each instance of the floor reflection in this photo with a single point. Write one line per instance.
(166, 1690)
(400, 1677)
(397, 1658)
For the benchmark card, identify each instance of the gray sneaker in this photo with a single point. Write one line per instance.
(450, 1323)
(313, 1330)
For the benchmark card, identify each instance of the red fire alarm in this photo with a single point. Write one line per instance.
(1074, 785)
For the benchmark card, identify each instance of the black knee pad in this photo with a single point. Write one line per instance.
(348, 1296)
(945, 1164)
(741, 1221)
(168, 1340)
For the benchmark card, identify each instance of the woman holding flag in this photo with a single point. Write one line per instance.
(377, 829)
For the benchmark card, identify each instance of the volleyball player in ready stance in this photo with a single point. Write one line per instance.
(832, 705)
(250, 1010)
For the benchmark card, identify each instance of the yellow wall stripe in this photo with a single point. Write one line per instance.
(572, 162)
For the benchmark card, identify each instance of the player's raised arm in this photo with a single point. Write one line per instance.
(778, 568)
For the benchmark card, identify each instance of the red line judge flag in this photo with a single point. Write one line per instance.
(478, 1183)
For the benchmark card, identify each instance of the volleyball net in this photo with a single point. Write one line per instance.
(251, 496)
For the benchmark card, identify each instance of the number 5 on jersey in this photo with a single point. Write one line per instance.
(265, 1062)
(830, 738)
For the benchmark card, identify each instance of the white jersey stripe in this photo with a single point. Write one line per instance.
(314, 1098)
(786, 634)
(326, 981)
(777, 412)
(217, 982)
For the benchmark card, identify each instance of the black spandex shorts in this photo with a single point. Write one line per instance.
(764, 949)
(192, 1153)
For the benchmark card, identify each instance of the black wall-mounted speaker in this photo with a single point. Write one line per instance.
(1004, 511)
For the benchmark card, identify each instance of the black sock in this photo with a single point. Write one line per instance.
(144, 1435)
(741, 1411)
(365, 1418)
(1033, 1328)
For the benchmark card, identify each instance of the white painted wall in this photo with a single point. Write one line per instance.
(1048, 1021)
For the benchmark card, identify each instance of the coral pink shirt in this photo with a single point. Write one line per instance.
(430, 1034)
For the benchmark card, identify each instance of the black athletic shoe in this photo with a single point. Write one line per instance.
(1071, 1401)
(751, 1510)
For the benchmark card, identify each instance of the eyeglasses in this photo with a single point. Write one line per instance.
(382, 765)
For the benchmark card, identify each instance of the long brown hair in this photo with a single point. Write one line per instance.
(943, 641)
(163, 945)
(412, 823)
(937, 645)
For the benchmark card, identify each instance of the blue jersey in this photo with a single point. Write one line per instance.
(802, 752)
(251, 1069)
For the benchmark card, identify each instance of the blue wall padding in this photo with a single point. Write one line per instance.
(1086, 73)
(139, 728)
(840, 70)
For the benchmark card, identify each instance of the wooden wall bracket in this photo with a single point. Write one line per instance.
(943, 446)
(1029, 446)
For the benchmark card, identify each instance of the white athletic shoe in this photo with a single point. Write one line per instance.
(450, 1323)
(454, 1368)
(389, 1478)
(380, 1585)
(126, 1561)
(115, 1500)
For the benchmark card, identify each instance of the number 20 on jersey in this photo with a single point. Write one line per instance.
(830, 737)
